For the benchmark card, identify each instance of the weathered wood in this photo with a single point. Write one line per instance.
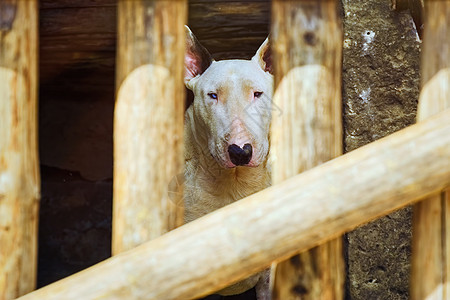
(86, 54)
(19, 167)
(307, 48)
(431, 231)
(77, 50)
(148, 128)
(297, 214)
(230, 29)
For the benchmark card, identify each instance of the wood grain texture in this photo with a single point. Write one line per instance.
(230, 29)
(19, 167)
(70, 48)
(297, 214)
(307, 49)
(74, 57)
(431, 231)
(148, 128)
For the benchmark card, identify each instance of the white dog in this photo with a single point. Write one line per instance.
(227, 136)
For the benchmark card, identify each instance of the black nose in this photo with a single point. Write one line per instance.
(240, 156)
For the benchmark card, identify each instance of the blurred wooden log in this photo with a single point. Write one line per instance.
(307, 37)
(148, 128)
(19, 166)
(431, 231)
(297, 214)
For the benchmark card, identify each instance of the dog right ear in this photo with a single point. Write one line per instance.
(197, 59)
(264, 56)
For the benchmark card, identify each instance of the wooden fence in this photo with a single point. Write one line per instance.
(247, 236)
(19, 162)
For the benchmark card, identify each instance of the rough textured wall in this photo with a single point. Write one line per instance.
(380, 93)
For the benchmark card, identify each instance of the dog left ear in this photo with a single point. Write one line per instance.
(264, 56)
(197, 59)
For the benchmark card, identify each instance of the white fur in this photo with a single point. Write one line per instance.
(211, 125)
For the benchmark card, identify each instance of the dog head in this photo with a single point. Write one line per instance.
(232, 103)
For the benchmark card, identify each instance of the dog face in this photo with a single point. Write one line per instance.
(232, 104)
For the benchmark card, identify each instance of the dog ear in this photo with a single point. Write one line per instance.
(264, 56)
(197, 59)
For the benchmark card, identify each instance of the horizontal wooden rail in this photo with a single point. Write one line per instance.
(297, 214)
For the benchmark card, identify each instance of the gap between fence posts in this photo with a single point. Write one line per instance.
(148, 121)
(19, 162)
(307, 47)
(430, 269)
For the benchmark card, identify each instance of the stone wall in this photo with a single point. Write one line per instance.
(380, 94)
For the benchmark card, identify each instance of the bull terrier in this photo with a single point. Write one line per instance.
(227, 136)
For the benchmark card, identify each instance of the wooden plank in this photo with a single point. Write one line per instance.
(78, 59)
(19, 162)
(431, 231)
(148, 128)
(230, 29)
(307, 48)
(297, 214)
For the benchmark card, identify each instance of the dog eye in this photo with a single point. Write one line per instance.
(257, 94)
(212, 96)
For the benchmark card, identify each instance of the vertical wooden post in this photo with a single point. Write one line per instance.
(307, 49)
(19, 166)
(431, 222)
(148, 124)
